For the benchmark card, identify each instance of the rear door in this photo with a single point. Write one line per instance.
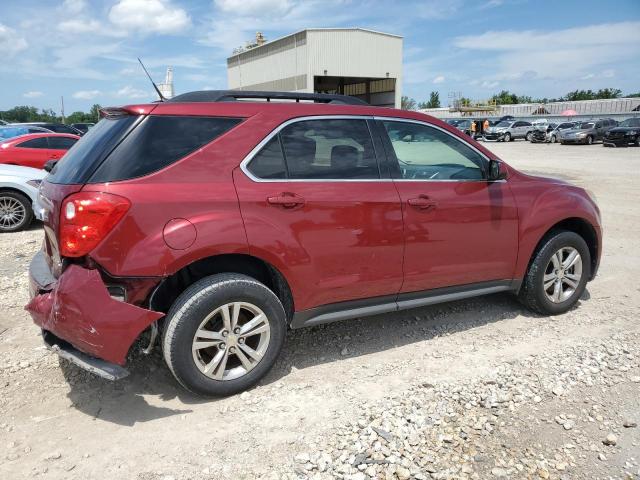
(316, 205)
(58, 146)
(31, 153)
(459, 228)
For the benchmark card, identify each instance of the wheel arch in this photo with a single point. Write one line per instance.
(579, 226)
(172, 286)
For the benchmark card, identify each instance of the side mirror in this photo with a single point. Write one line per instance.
(49, 165)
(496, 171)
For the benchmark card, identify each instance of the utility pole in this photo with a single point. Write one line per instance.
(62, 107)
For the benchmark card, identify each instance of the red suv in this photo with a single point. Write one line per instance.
(219, 223)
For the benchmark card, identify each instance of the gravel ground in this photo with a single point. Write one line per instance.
(474, 389)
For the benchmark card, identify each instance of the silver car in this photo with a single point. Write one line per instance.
(18, 197)
(508, 130)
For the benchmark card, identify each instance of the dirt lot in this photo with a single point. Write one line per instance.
(473, 389)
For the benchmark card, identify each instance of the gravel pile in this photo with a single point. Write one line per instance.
(466, 431)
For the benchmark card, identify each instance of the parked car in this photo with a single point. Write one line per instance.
(218, 224)
(508, 130)
(554, 135)
(35, 149)
(587, 132)
(82, 127)
(54, 127)
(625, 134)
(541, 133)
(9, 131)
(18, 193)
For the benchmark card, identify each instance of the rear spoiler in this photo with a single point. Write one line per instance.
(115, 112)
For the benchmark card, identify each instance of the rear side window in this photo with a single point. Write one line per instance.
(61, 143)
(34, 143)
(339, 149)
(157, 142)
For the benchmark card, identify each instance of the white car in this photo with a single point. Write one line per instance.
(18, 197)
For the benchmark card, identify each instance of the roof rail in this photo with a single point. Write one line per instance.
(235, 95)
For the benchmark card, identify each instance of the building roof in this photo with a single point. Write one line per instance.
(355, 29)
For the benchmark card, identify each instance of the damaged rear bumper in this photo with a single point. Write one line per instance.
(81, 321)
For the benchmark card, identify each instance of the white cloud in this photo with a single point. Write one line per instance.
(10, 42)
(32, 94)
(132, 93)
(255, 7)
(73, 7)
(87, 94)
(439, 79)
(577, 52)
(149, 16)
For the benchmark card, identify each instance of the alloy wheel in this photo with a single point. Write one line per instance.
(562, 275)
(231, 341)
(12, 213)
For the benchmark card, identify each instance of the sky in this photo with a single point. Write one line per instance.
(85, 50)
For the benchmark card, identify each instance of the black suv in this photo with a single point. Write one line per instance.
(628, 132)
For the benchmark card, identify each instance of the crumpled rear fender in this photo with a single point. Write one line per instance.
(80, 311)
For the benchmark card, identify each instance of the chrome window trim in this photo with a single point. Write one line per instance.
(254, 151)
(245, 162)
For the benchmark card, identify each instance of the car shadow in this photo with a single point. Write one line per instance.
(125, 402)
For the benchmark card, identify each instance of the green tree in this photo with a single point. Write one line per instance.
(434, 100)
(94, 113)
(407, 103)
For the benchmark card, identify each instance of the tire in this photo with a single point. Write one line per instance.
(16, 212)
(637, 142)
(553, 139)
(589, 140)
(528, 136)
(189, 314)
(533, 294)
(507, 137)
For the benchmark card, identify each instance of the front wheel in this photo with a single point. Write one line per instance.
(589, 140)
(557, 275)
(529, 136)
(553, 139)
(223, 334)
(16, 212)
(507, 137)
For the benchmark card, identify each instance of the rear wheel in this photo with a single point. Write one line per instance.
(16, 212)
(558, 273)
(223, 334)
(589, 140)
(507, 137)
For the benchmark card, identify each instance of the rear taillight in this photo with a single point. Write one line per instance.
(86, 218)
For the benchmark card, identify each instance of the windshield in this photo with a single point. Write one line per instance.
(630, 122)
(586, 125)
(504, 124)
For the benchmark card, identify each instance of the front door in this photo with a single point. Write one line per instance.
(315, 206)
(459, 228)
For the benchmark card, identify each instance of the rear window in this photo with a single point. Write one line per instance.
(80, 161)
(157, 142)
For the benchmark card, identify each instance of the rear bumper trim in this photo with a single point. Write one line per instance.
(101, 368)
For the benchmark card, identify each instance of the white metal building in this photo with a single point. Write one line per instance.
(352, 61)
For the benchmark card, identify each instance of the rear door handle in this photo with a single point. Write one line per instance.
(423, 202)
(286, 200)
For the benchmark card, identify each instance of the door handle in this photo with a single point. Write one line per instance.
(423, 202)
(286, 200)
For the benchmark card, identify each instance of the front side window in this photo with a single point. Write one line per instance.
(323, 149)
(427, 153)
(40, 142)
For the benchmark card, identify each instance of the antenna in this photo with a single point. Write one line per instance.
(162, 99)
